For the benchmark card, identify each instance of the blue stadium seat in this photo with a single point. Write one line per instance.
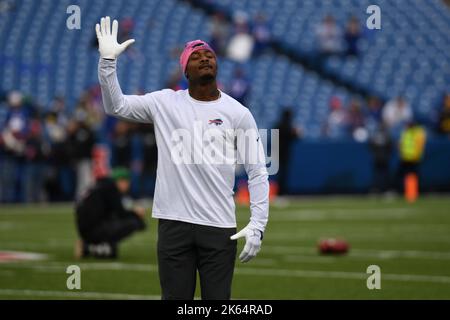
(41, 57)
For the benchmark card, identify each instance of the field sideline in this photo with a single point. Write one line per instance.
(410, 243)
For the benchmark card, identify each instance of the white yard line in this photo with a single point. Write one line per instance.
(343, 214)
(406, 238)
(368, 253)
(394, 254)
(341, 275)
(14, 211)
(76, 294)
(7, 225)
(285, 273)
(309, 259)
(281, 250)
(382, 212)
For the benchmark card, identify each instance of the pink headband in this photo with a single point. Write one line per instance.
(190, 48)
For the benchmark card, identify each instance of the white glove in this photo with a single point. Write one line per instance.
(107, 39)
(252, 242)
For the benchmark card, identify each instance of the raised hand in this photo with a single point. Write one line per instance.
(107, 39)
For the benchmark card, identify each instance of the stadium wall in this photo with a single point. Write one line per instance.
(346, 167)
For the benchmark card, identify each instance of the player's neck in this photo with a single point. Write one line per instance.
(204, 91)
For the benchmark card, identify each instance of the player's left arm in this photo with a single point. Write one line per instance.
(250, 152)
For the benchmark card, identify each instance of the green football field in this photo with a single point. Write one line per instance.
(410, 244)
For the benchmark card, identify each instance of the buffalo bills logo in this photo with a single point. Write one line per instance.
(217, 122)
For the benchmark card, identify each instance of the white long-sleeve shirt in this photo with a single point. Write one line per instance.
(199, 144)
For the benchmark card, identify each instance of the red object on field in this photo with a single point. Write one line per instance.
(242, 194)
(273, 191)
(333, 246)
(411, 187)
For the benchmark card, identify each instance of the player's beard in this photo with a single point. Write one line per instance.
(207, 79)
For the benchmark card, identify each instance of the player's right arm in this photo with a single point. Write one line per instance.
(140, 108)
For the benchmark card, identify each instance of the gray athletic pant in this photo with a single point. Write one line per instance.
(184, 248)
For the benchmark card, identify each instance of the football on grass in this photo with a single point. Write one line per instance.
(333, 246)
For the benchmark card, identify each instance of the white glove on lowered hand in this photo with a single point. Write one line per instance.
(252, 242)
(107, 39)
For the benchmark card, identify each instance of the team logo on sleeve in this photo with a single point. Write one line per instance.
(217, 122)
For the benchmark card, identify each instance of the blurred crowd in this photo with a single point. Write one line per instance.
(361, 119)
(46, 152)
(333, 40)
(387, 128)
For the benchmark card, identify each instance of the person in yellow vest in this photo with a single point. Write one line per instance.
(412, 147)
